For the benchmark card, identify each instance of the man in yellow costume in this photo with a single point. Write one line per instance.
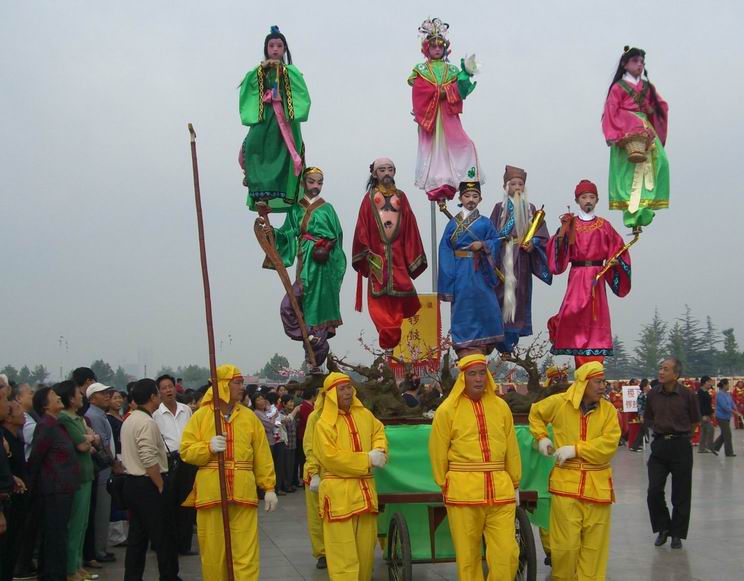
(348, 442)
(248, 464)
(311, 477)
(475, 459)
(586, 433)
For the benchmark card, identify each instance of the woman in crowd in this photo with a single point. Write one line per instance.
(288, 417)
(54, 475)
(83, 438)
(269, 417)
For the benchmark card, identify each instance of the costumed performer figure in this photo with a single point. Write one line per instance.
(475, 459)
(513, 218)
(312, 234)
(634, 124)
(311, 478)
(446, 155)
(586, 433)
(348, 442)
(467, 254)
(388, 251)
(582, 326)
(738, 396)
(273, 102)
(248, 464)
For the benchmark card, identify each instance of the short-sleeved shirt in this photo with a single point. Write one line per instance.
(75, 426)
(672, 412)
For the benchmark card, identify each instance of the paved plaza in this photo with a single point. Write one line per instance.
(713, 551)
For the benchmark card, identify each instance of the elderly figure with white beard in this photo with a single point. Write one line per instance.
(512, 218)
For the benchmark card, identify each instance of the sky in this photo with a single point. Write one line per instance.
(98, 242)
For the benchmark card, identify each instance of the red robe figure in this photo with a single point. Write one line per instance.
(388, 251)
(738, 396)
(582, 326)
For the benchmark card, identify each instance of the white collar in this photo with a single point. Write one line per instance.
(628, 78)
(465, 213)
(163, 409)
(586, 217)
(311, 201)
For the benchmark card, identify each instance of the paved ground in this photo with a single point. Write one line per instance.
(713, 551)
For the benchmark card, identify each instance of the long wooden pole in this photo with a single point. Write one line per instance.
(212, 357)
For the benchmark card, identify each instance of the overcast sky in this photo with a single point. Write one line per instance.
(98, 240)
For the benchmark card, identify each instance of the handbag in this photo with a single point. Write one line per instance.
(102, 460)
(115, 487)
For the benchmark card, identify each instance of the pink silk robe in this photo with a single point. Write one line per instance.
(619, 119)
(582, 326)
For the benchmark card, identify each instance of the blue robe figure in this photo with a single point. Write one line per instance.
(467, 280)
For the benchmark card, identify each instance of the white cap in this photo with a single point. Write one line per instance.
(96, 388)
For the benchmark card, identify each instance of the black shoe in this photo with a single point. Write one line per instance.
(661, 539)
(714, 451)
(106, 558)
(730, 455)
(321, 564)
(703, 451)
(636, 450)
(548, 562)
(676, 543)
(92, 564)
(280, 493)
(25, 574)
(188, 553)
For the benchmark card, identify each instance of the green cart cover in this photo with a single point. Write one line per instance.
(409, 471)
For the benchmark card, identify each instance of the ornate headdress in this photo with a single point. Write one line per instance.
(511, 172)
(434, 33)
(470, 187)
(311, 169)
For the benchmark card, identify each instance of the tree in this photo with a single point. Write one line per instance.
(24, 375)
(677, 347)
(730, 359)
(121, 378)
(692, 343)
(39, 374)
(650, 347)
(10, 372)
(619, 366)
(193, 375)
(166, 371)
(103, 371)
(709, 352)
(273, 366)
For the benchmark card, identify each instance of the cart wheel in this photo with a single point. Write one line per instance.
(400, 567)
(527, 570)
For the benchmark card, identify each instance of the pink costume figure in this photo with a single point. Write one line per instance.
(446, 155)
(582, 326)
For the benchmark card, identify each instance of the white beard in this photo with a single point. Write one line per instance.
(510, 283)
(522, 213)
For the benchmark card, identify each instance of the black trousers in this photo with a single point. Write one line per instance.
(55, 517)
(89, 543)
(29, 535)
(11, 542)
(724, 438)
(642, 433)
(185, 521)
(289, 467)
(151, 520)
(670, 457)
(299, 463)
(277, 451)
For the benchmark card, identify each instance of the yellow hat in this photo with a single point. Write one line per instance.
(329, 411)
(463, 364)
(225, 374)
(582, 376)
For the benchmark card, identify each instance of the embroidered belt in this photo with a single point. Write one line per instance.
(464, 253)
(579, 465)
(231, 465)
(587, 263)
(329, 476)
(476, 466)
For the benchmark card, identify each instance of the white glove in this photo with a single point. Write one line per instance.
(516, 495)
(377, 458)
(564, 453)
(270, 501)
(217, 444)
(544, 446)
(315, 483)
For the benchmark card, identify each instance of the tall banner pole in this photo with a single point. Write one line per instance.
(434, 248)
(212, 357)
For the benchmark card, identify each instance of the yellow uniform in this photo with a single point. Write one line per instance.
(314, 523)
(582, 487)
(248, 464)
(475, 459)
(347, 496)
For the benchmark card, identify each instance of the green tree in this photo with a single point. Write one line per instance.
(193, 375)
(103, 371)
(692, 344)
(677, 347)
(165, 370)
(730, 360)
(650, 347)
(10, 372)
(121, 378)
(619, 366)
(709, 353)
(273, 366)
(24, 375)
(39, 374)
